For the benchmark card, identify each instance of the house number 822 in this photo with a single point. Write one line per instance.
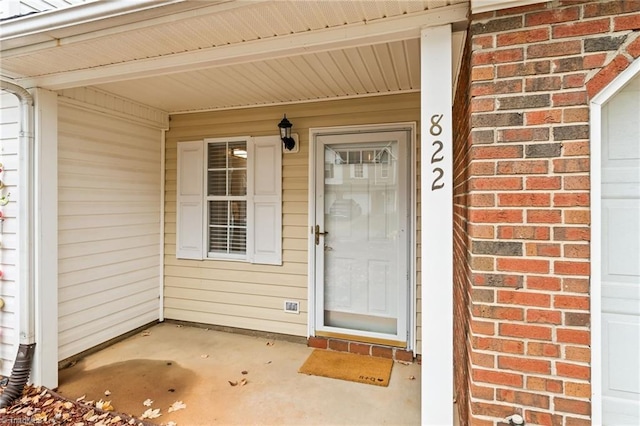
(436, 157)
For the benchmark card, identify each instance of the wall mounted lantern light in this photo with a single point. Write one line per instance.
(285, 134)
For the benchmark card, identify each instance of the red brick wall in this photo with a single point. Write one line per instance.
(534, 70)
(461, 273)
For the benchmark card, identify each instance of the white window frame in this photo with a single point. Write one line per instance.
(264, 201)
(206, 198)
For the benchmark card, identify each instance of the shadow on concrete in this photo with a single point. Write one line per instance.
(129, 382)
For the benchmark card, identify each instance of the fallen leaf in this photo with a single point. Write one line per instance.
(243, 382)
(151, 414)
(81, 398)
(270, 343)
(179, 326)
(147, 402)
(172, 424)
(107, 392)
(178, 405)
(146, 333)
(48, 402)
(89, 414)
(404, 362)
(204, 356)
(39, 417)
(104, 405)
(268, 362)
(411, 378)
(233, 383)
(245, 372)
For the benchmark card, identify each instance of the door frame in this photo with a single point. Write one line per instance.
(595, 137)
(411, 187)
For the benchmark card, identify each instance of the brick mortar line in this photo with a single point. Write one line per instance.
(511, 305)
(542, 376)
(538, 358)
(527, 390)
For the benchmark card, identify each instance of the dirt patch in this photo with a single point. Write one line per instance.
(129, 384)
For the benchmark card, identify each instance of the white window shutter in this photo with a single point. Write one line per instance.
(264, 210)
(190, 201)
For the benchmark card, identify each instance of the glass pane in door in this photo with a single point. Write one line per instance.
(363, 245)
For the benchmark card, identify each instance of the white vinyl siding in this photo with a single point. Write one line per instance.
(250, 296)
(9, 129)
(109, 221)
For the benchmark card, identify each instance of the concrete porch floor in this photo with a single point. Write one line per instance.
(194, 365)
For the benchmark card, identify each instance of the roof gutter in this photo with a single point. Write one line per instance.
(26, 287)
(79, 14)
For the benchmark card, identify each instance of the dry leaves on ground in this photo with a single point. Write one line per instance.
(178, 405)
(151, 414)
(39, 405)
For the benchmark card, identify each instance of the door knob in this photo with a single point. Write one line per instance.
(318, 233)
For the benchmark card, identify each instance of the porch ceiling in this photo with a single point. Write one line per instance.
(182, 56)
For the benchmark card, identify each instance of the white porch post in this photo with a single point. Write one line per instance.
(437, 226)
(45, 362)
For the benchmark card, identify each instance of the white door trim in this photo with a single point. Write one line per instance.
(311, 290)
(596, 232)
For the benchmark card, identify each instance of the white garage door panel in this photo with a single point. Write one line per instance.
(621, 257)
(619, 412)
(624, 371)
(624, 228)
(620, 298)
(623, 109)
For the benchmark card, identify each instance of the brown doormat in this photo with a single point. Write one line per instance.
(348, 366)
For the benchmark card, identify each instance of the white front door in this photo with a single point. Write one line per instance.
(621, 257)
(361, 236)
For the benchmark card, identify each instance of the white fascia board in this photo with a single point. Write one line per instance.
(393, 29)
(481, 6)
(110, 25)
(36, 23)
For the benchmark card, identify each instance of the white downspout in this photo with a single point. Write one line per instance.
(26, 291)
(25, 212)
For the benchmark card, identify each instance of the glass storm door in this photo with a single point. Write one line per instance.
(361, 235)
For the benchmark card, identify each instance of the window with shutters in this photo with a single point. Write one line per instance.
(229, 199)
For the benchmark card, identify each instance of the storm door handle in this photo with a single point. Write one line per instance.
(318, 233)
